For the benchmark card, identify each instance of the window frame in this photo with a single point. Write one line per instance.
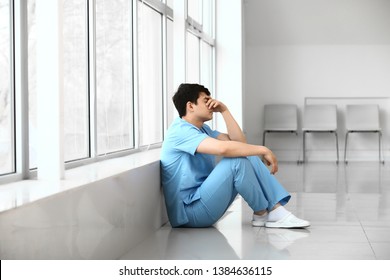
(19, 84)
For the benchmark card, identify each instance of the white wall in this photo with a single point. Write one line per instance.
(297, 49)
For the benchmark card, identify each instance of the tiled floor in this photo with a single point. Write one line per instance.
(347, 205)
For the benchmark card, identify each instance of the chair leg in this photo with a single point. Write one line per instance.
(304, 147)
(296, 134)
(337, 146)
(345, 148)
(380, 148)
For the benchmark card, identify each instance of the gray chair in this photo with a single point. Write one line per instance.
(280, 118)
(320, 119)
(363, 119)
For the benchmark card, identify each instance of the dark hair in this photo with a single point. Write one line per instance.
(185, 93)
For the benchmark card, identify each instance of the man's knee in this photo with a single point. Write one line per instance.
(253, 160)
(236, 164)
(235, 160)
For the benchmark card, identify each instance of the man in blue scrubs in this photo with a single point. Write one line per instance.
(197, 190)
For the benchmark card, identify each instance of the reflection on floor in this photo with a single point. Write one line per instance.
(347, 205)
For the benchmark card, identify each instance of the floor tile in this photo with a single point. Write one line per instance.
(381, 250)
(377, 234)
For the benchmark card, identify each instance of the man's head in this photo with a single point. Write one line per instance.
(187, 93)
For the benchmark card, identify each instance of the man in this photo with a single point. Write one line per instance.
(197, 191)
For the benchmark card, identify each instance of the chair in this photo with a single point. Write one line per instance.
(363, 119)
(280, 118)
(320, 119)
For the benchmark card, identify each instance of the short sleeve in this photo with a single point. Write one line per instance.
(210, 132)
(189, 139)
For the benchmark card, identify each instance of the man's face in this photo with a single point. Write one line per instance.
(201, 109)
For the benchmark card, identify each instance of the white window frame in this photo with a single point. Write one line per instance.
(20, 82)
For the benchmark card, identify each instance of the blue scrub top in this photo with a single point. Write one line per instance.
(182, 169)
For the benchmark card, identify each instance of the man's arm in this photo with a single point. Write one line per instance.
(234, 143)
(234, 132)
(237, 149)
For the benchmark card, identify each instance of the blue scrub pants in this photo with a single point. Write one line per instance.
(247, 176)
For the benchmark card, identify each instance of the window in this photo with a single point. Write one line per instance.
(76, 128)
(150, 75)
(114, 86)
(170, 3)
(193, 59)
(118, 76)
(207, 65)
(7, 151)
(195, 10)
(207, 18)
(200, 45)
(170, 90)
(32, 84)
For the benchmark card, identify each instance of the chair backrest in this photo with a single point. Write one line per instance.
(362, 117)
(280, 117)
(321, 117)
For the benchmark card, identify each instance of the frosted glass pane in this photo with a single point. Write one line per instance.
(208, 17)
(6, 128)
(150, 75)
(170, 90)
(32, 83)
(76, 127)
(75, 81)
(114, 85)
(207, 66)
(194, 10)
(170, 3)
(192, 58)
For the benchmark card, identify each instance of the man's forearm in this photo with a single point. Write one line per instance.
(237, 149)
(234, 131)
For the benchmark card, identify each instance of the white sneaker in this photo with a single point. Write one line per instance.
(259, 221)
(289, 221)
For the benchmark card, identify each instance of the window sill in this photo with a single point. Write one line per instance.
(16, 194)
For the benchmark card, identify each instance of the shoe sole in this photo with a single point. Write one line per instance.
(258, 225)
(277, 225)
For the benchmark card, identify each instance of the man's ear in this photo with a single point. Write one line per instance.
(189, 107)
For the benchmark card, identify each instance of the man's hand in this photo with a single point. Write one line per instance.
(216, 105)
(270, 160)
